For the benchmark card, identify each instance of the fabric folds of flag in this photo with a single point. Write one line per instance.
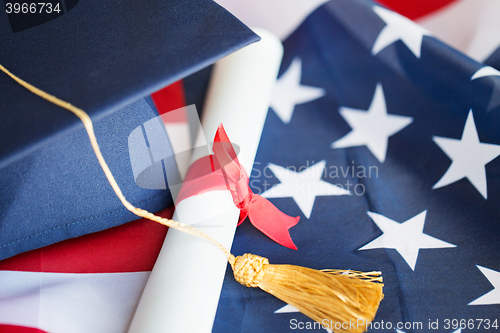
(87, 284)
(388, 151)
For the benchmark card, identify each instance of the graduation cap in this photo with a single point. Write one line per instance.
(105, 57)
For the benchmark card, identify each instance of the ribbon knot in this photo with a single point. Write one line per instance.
(225, 172)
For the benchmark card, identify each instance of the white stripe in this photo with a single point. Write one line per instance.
(281, 17)
(470, 26)
(70, 303)
(487, 36)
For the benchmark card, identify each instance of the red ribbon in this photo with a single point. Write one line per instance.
(225, 172)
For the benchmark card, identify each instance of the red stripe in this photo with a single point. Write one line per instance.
(19, 329)
(414, 9)
(131, 247)
(170, 98)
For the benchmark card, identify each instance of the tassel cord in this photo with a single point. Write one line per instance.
(87, 123)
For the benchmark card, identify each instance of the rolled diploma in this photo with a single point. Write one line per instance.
(183, 290)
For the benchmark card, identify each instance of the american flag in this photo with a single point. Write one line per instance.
(381, 137)
(384, 140)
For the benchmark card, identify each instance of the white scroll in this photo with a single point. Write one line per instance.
(183, 289)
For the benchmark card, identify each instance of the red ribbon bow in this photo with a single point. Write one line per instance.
(225, 172)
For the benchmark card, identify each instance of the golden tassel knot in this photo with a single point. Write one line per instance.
(248, 269)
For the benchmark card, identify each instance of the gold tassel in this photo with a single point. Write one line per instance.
(344, 301)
